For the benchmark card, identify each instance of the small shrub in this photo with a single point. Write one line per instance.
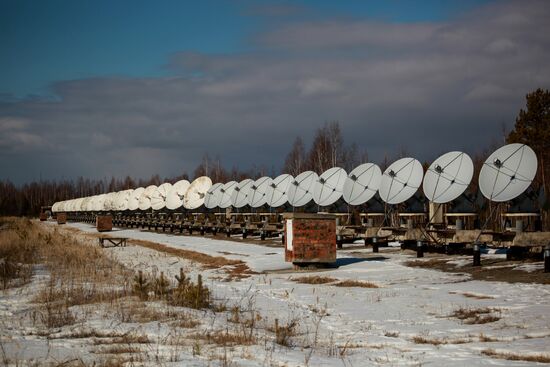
(283, 333)
(141, 286)
(476, 315)
(188, 294)
(541, 358)
(314, 279)
(161, 286)
(56, 315)
(356, 283)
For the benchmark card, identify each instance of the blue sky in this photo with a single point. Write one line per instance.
(47, 41)
(116, 88)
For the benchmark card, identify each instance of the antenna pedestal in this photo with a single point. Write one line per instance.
(477, 254)
(547, 259)
(419, 249)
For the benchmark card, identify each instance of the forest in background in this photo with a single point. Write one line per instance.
(327, 150)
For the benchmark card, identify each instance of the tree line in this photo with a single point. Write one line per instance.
(327, 150)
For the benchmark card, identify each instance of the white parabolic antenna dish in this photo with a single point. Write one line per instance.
(84, 203)
(194, 197)
(401, 180)
(133, 200)
(109, 203)
(213, 196)
(164, 189)
(121, 201)
(98, 203)
(362, 184)
(77, 203)
(226, 193)
(508, 172)
(157, 199)
(257, 195)
(174, 199)
(447, 177)
(300, 191)
(145, 198)
(276, 192)
(239, 198)
(328, 188)
(91, 203)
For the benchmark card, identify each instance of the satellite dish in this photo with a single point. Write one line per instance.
(145, 198)
(109, 203)
(328, 188)
(76, 205)
(257, 195)
(133, 199)
(508, 172)
(213, 196)
(300, 191)
(401, 180)
(239, 198)
(362, 184)
(164, 189)
(194, 197)
(98, 203)
(157, 200)
(91, 203)
(174, 198)
(448, 177)
(84, 203)
(276, 192)
(122, 199)
(226, 193)
(158, 197)
(181, 187)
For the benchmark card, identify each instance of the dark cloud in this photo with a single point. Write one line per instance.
(426, 88)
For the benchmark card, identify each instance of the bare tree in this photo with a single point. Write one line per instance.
(295, 159)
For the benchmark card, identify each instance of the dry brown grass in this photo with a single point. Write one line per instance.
(18, 252)
(472, 295)
(481, 315)
(314, 279)
(428, 263)
(318, 279)
(420, 339)
(227, 338)
(207, 261)
(128, 338)
(356, 283)
(540, 358)
(284, 332)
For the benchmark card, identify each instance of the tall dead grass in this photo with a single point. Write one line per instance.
(18, 252)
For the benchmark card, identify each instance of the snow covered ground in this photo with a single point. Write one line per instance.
(408, 320)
